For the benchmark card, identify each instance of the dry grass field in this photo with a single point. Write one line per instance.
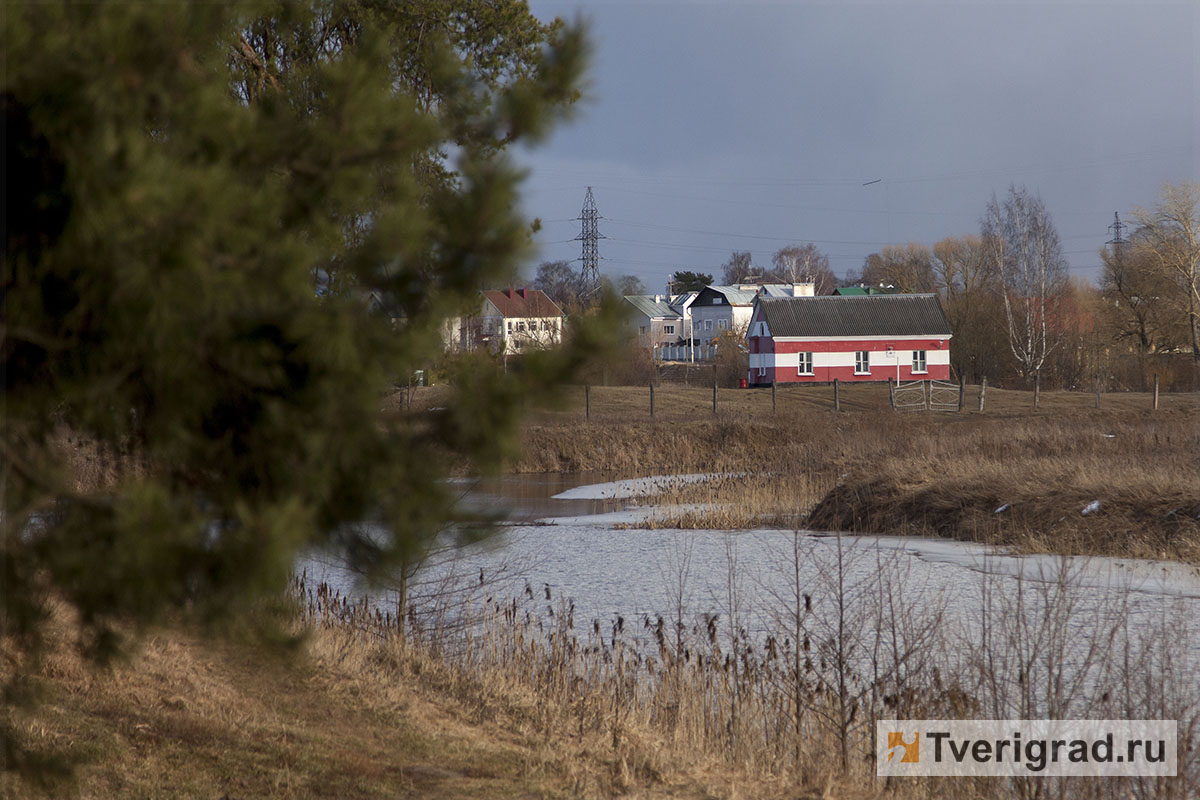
(867, 468)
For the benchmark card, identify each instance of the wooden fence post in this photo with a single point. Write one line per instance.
(891, 394)
(962, 391)
(837, 405)
(587, 401)
(652, 401)
(982, 392)
(714, 392)
(1097, 392)
(1156, 391)
(772, 397)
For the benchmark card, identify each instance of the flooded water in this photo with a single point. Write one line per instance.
(565, 550)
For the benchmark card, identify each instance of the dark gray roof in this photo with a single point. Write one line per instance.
(876, 315)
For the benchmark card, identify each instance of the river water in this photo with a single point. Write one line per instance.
(567, 549)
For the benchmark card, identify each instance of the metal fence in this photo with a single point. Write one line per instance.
(683, 352)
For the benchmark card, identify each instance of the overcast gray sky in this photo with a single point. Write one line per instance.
(713, 127)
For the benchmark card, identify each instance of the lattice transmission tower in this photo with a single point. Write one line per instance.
(1117, 228)
(590, 236)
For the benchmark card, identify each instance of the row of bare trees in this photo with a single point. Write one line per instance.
(1017, 315)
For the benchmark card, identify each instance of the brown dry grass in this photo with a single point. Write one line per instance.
(868, 469)
(352, 716)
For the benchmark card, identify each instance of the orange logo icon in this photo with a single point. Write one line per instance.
(912, 750)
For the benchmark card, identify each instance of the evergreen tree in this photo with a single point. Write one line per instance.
(176, 178)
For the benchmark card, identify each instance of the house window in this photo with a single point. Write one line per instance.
(805, 364)
(510, 326)
(668, 328)
(708, 324)
(642, 330)
(919, 361)
(521, 326)
(862, 362)
(716, 301)
(722, 324)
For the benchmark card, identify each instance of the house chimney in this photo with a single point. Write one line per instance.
(658, 298)
(806, 289)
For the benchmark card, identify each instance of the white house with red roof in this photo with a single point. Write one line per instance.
(904, 337)
(511, 321)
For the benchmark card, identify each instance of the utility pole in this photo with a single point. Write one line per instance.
(1116, 242)
(590, 236)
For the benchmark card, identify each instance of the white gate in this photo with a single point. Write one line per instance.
(909, 396)
(925, 395)
(943, 396)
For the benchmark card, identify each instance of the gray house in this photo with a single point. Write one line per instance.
(664, 326)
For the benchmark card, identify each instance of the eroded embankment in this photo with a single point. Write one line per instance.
(1101, 484)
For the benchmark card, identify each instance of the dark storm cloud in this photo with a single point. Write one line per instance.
(721, 127)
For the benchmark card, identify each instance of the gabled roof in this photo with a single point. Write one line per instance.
(877, 315)
(680, 302)
(653, 306)
(523, 303)
(744, 294)
(859, 291)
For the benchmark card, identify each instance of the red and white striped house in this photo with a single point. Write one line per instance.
(868, 338)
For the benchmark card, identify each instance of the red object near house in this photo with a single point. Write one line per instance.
(904, 337)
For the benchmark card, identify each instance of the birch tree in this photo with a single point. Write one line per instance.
(1021, 241)
(1172, 237)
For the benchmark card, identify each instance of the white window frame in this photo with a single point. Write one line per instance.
(520, 326)
(862, 362)
(920, 362)
(722, 324)
(806, 360)
(668, 329)
(708, 324)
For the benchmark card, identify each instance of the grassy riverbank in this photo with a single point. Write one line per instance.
(524, 703)
(191, 717)
(354, 711)
(531, 704)
(1010, 474)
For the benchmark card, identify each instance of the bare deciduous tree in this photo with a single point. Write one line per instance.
(969, 285)
(796, 263)
(1021, 241)
(739, 266)
(1172, 236)
(908, 268)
